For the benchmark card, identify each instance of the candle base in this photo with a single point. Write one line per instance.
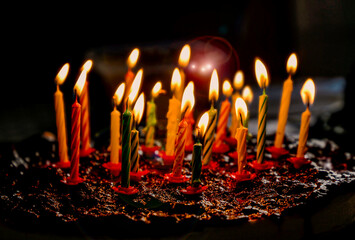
(71, 182)
(222, 148)
(86, 152)
(266, 165)
(61, 164)
(112, 166)
(175, 179)
(244, 176)
(234, 156)
(149, 151)
(190, 190)
(126, 191)
(137, 176)
(298, 162)
(189, 148)
(232, 142)
(212, 165)
(276, 152)
(168, 160)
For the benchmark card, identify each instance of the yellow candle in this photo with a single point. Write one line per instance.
(60, 116)
(307, 94)
(242, 133)
(223, 114)
(173, 114)
(285, 101)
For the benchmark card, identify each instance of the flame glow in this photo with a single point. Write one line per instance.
(135, 87)
(202, 123)
(175, 80)
(185, 56)
(291, 64)
(188, 98)
(238, 80)
(308, 92)
(227, 88)
(156, 89)
(261, 74)
(62, 74)
(87, 66)
(119, 93)
(138, 109)
(241, 108)
(247, 94)
(214, 86)
(133, 58)
(79, 85)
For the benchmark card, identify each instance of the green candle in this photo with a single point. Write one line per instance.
(196, 164)
(126, 148)
(151, 122)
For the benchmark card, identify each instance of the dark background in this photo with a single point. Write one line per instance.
(37, 39)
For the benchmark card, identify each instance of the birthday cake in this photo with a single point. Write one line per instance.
(33, 198)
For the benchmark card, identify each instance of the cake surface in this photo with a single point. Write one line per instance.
(34, 198)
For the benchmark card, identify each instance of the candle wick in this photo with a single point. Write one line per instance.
(264, 90)
(57, 87)
(241, 119)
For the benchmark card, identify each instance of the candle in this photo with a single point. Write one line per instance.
(184, 59)
(307, 94)
(115, 125)
(137, 115)
(151, 116)
(242, 133)
(211, 126)
(85, 113)
(189, 118)
(247, 96)
(173, 114)
(223, 114)
(60, 117)
(126, 131)
(263, 81)
(238, 83)
(285, 101)
(196, 153)
(188, 101)
(131, 63)
(74, 178)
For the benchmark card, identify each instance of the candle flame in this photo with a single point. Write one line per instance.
(62, 74)
(79, 85)
(119, 93)
(247, 94)
(308, 91)
(291, 64)
(241, 108)
(202, 123)
(87, 66)
(133, 58)
(188, 98)
(139, 108)
(227, 88)
(261, 74)
(238, 80)
(135, 87)
(175, 80)
(185, 56)
(156, 89)
(214, 86)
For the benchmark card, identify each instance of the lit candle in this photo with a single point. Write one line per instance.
(197, 149)
(242, 133)
(285, 101)
(173, 114)
(137, 115)
(74, 177)
(188, 101)
(189, 117)
(184, 59)
(247, 96)
(131, 63)
(223, 114)
(85, 113)
(126, 131)
(307, 94)
(238, 83)
(263, 81)
(212, 113)
(151, 116)
(60, 118)
(115, 125)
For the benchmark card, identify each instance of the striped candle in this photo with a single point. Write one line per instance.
(85, 123)
(134, 150)
(196, 164)
(222, 122)
(126, 148)
(209, 136)
(151, 122)
(180, 148)
(263, 104)
(75, 142)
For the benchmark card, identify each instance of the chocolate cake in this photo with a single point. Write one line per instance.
(33, 198)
